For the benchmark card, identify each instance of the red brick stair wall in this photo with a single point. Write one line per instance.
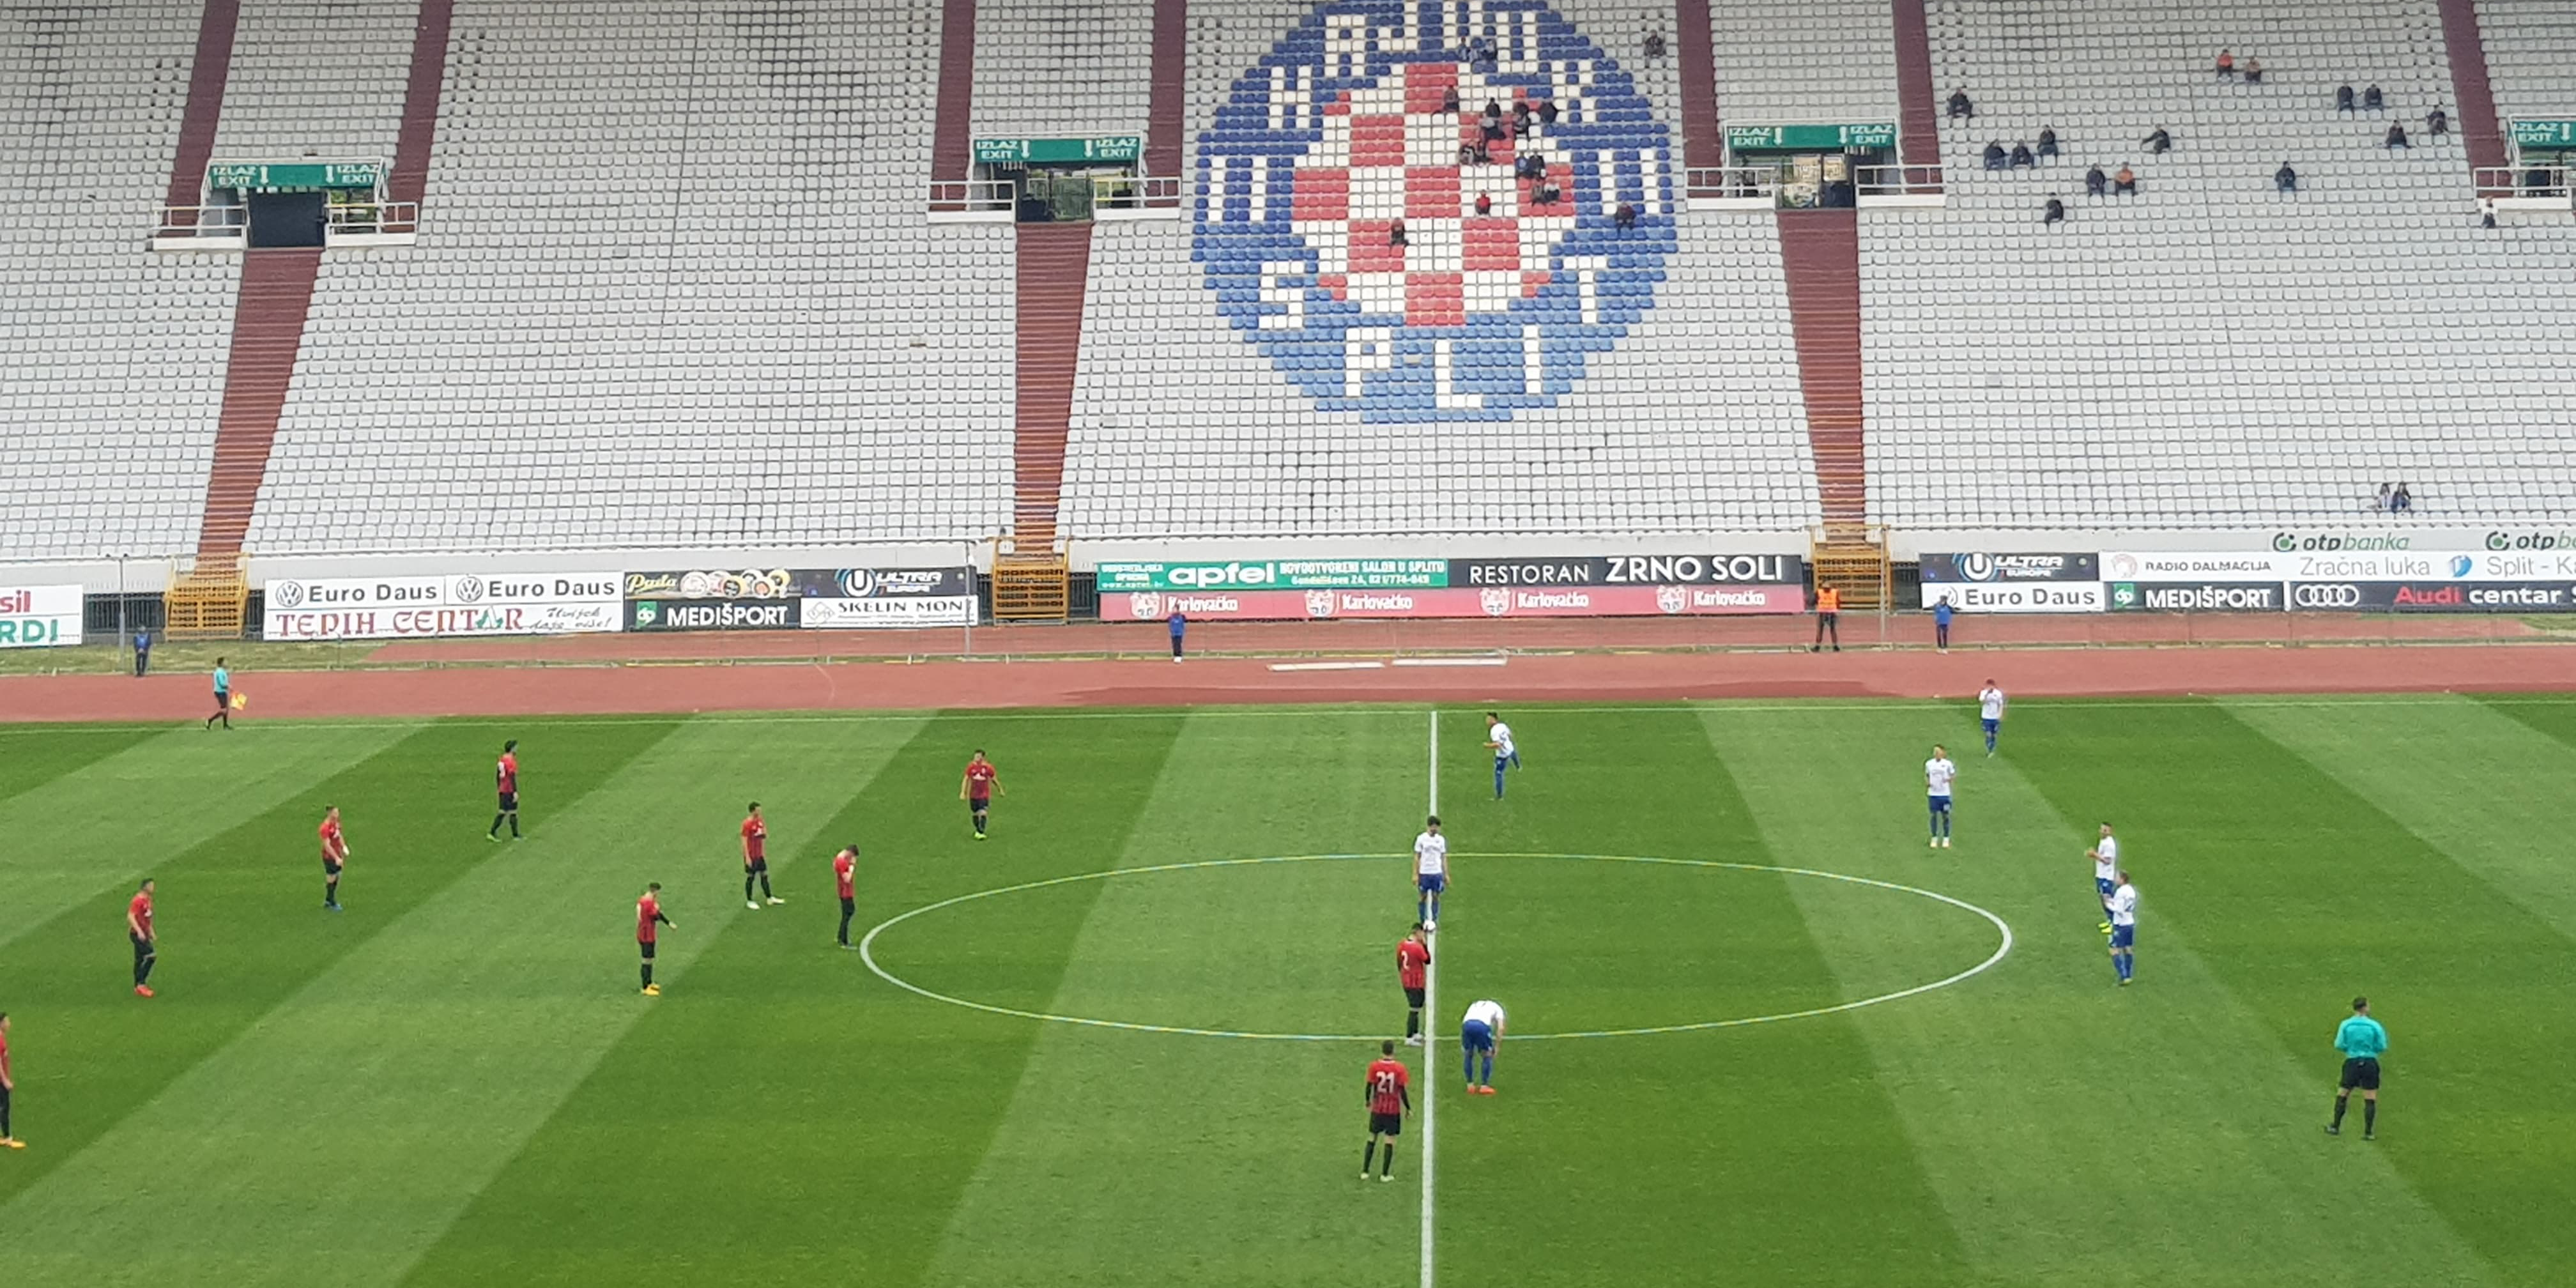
(2475, 108)
(1703, 144)
(1166, 89)
(206, 77)
(1918, 126)
(1054, 267)
(1820, 250)
(952, 133)
(420, 101)
(268, 329)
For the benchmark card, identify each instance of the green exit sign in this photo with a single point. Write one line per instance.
(1113, 147)
(1797, 138)
(301, 176)
(2544, 134)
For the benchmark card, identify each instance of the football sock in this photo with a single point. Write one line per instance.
(2369, 1116)
(1488, 1079)
(764, 885)
(1471, 1069)
(1368, 1157)
(2343, 1101)
(514, 825)
(746, 887)
(2128, 965)
(1421, 909)
(496, 825)
(1389, 1169)
(1412, 1023)
(648, 974)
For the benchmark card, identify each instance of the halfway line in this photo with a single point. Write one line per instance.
(1430, 1024)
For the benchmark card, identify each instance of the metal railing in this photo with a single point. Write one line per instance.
(973, 194)
(1898, 180)
(1129, 192)
(374, 218)
(1740, 182)
(2525, 181)
(382, 217)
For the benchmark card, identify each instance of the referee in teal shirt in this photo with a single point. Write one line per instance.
(2362, 1041)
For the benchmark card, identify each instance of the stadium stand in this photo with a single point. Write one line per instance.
(2531, 57)
(321, 78)
(2211, 351)
(1781, 62)
(1061, 69)
(673, 288)
(112, 359)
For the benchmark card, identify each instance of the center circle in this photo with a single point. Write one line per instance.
(2003, 947)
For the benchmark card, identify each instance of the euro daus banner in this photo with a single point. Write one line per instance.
(422, 607)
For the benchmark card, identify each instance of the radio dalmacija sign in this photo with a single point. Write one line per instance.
(377, 608)
(40, 616)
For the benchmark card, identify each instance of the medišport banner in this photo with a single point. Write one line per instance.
(772, 599)
(2195, 597)
(39, 616)
(1456, 601)
(377, 608)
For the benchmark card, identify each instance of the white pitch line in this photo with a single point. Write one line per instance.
(1450, 661)
(1326, 666)
(1430, 1025)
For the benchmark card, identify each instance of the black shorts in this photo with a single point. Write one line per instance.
(979, 804)
(142, 947)
(753, 867)
(2360, 1073)
(647, 946)
(1413, 998)
(330, 869)
(1385, 1124)
(509, 802)
(223, 700)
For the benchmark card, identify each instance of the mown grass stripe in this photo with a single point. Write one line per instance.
(35, 762)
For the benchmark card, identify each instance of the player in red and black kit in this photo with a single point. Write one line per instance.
(1390, 1097)
(335, 855)
(8, 1083)
(138, 927)
(1412, 971)
(648, 923)
(755, 859)
(505, 778)
(845, 873)
(982, 781)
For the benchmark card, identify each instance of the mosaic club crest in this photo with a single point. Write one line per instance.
(1353, 232)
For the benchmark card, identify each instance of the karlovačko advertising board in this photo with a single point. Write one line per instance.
(1271, 574)
(358, 608)
(1455, 602)
(1631, 570)
(40, 616)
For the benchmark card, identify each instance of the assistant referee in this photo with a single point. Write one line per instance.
(2362, 1041)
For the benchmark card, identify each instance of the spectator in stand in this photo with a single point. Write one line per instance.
(2343, 98)
(1547, 111)
(2047, 142)
(1395, 235)
(143, 638)
(2285, 179)
(1494, 130)
(1654, 44)
(2486, 213)
(2055, 213)
(2021, 156)
(1520, 120)
(2226, 65)
(1449, 99)
(1480, 52)
(1994, 156)
(1531, 165)
(1941, 614)
(2401, 500)
(1960, 108)
(1493, 112)
(2125, 183)
(2382, 503)
(2437, 123)
(1548, 194)
(1484, 203)
(2397, 137)
(2096, 183)
(2253, 71)
(2371, 100)
(2160, 142)
(1625, 217)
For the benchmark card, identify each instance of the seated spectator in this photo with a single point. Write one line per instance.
(1547, 111)
(1521, 112)
(2401, 500)
(1395, 235)
(2371, 101)
(1474, 154)
(2125, 183)
(2226, 65)
(1654, 44)
(2047, 142)
(1484, 203)
(1994, 156)
(2382, 502)
(1625, 216)
(1520, 127)
(1548, 194)
(1480, 52)
(2021, 156)
(2397, 137)
(1449, 99)
(2437, 123)
(1493, 129)
(2159, 142)
(2055, 213)
(2343, 98)
(2253, 71)
(1960, 108)
(2486, 213)
(1493, 111)
(2095, 182)
(1531, 165)
(2285, 179)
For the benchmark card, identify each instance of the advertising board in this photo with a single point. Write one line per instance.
(714, 614)
(1271, 574)
(1631, 570)
(2433, 596)
(1989, 566)
(2016, 597)
(881, 598)
(1457, 601)
(39, 616)
(355, 608)
(2195, 597)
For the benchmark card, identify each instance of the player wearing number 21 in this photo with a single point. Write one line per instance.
(1389, 1100)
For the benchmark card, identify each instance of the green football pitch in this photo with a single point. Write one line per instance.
(1105, 1050)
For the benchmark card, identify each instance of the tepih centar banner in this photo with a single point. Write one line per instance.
(381, 608)
(39, 616)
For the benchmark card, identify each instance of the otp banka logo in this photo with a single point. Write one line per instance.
(1510, 270)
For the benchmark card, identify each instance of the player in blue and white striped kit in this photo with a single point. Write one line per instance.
(2124, 929)
(1498, 739)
